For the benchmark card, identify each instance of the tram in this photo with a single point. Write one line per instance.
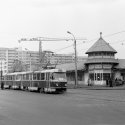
(51, 80)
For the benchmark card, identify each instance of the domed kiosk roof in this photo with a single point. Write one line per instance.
(101, 46)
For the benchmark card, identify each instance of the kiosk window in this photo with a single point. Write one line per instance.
(98, 76)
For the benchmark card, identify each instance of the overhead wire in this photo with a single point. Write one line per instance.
(109, 35)
(68, 39)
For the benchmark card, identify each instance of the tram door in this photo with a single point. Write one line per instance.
(47, 80)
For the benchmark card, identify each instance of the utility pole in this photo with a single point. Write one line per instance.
(40, 52)
(76, 75)
(30, 59)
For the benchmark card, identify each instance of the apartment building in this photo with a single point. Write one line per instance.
(7, 58)
(61, 58)
(30, 59)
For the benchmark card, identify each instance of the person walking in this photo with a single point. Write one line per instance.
(89, 82)
(110, 82)
(2, 85)
(107, 82)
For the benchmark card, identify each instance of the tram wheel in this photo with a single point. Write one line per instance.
(41, 90)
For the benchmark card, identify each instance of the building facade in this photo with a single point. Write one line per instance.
(101, 62)
(7, 57)
(53, 58)
(99, 67)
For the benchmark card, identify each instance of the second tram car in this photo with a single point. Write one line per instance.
(51, 80)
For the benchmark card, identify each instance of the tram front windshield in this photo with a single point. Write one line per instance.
(59, 76)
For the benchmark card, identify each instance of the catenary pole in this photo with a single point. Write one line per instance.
(76, 75)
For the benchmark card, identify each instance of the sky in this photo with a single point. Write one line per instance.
(53, 18)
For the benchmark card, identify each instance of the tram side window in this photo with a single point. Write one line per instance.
(7, 78)
(18, 77)
(38, 76)
(30, 75)
(24, 76)
(42, 76)
(34, 76)
(27, 76)
(14, 77)
(4, 77)
(10, 77)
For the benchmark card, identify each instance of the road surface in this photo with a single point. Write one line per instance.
(76, 107)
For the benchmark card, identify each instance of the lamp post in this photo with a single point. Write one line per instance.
(76, 78)
(30, 58)
(1, 69)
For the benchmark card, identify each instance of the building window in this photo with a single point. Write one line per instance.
(91, 76)
(95, 76)
(101, 76)
(104, 54)
(98, 76)
(106, 76)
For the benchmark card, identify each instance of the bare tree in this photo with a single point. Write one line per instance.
(18, 66)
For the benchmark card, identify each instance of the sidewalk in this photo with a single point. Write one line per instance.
(71, 86)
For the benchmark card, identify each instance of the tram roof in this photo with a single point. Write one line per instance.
(14, 73)
(52, 70)
(42, 71)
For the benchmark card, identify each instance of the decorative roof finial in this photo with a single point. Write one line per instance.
(100, 34)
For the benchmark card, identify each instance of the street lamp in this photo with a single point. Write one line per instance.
(30, 58)
(1, 69)
(76, 76)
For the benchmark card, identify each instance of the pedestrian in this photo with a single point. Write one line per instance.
(2, 85)
(107, 82)
(110, 82)
(89, 82)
